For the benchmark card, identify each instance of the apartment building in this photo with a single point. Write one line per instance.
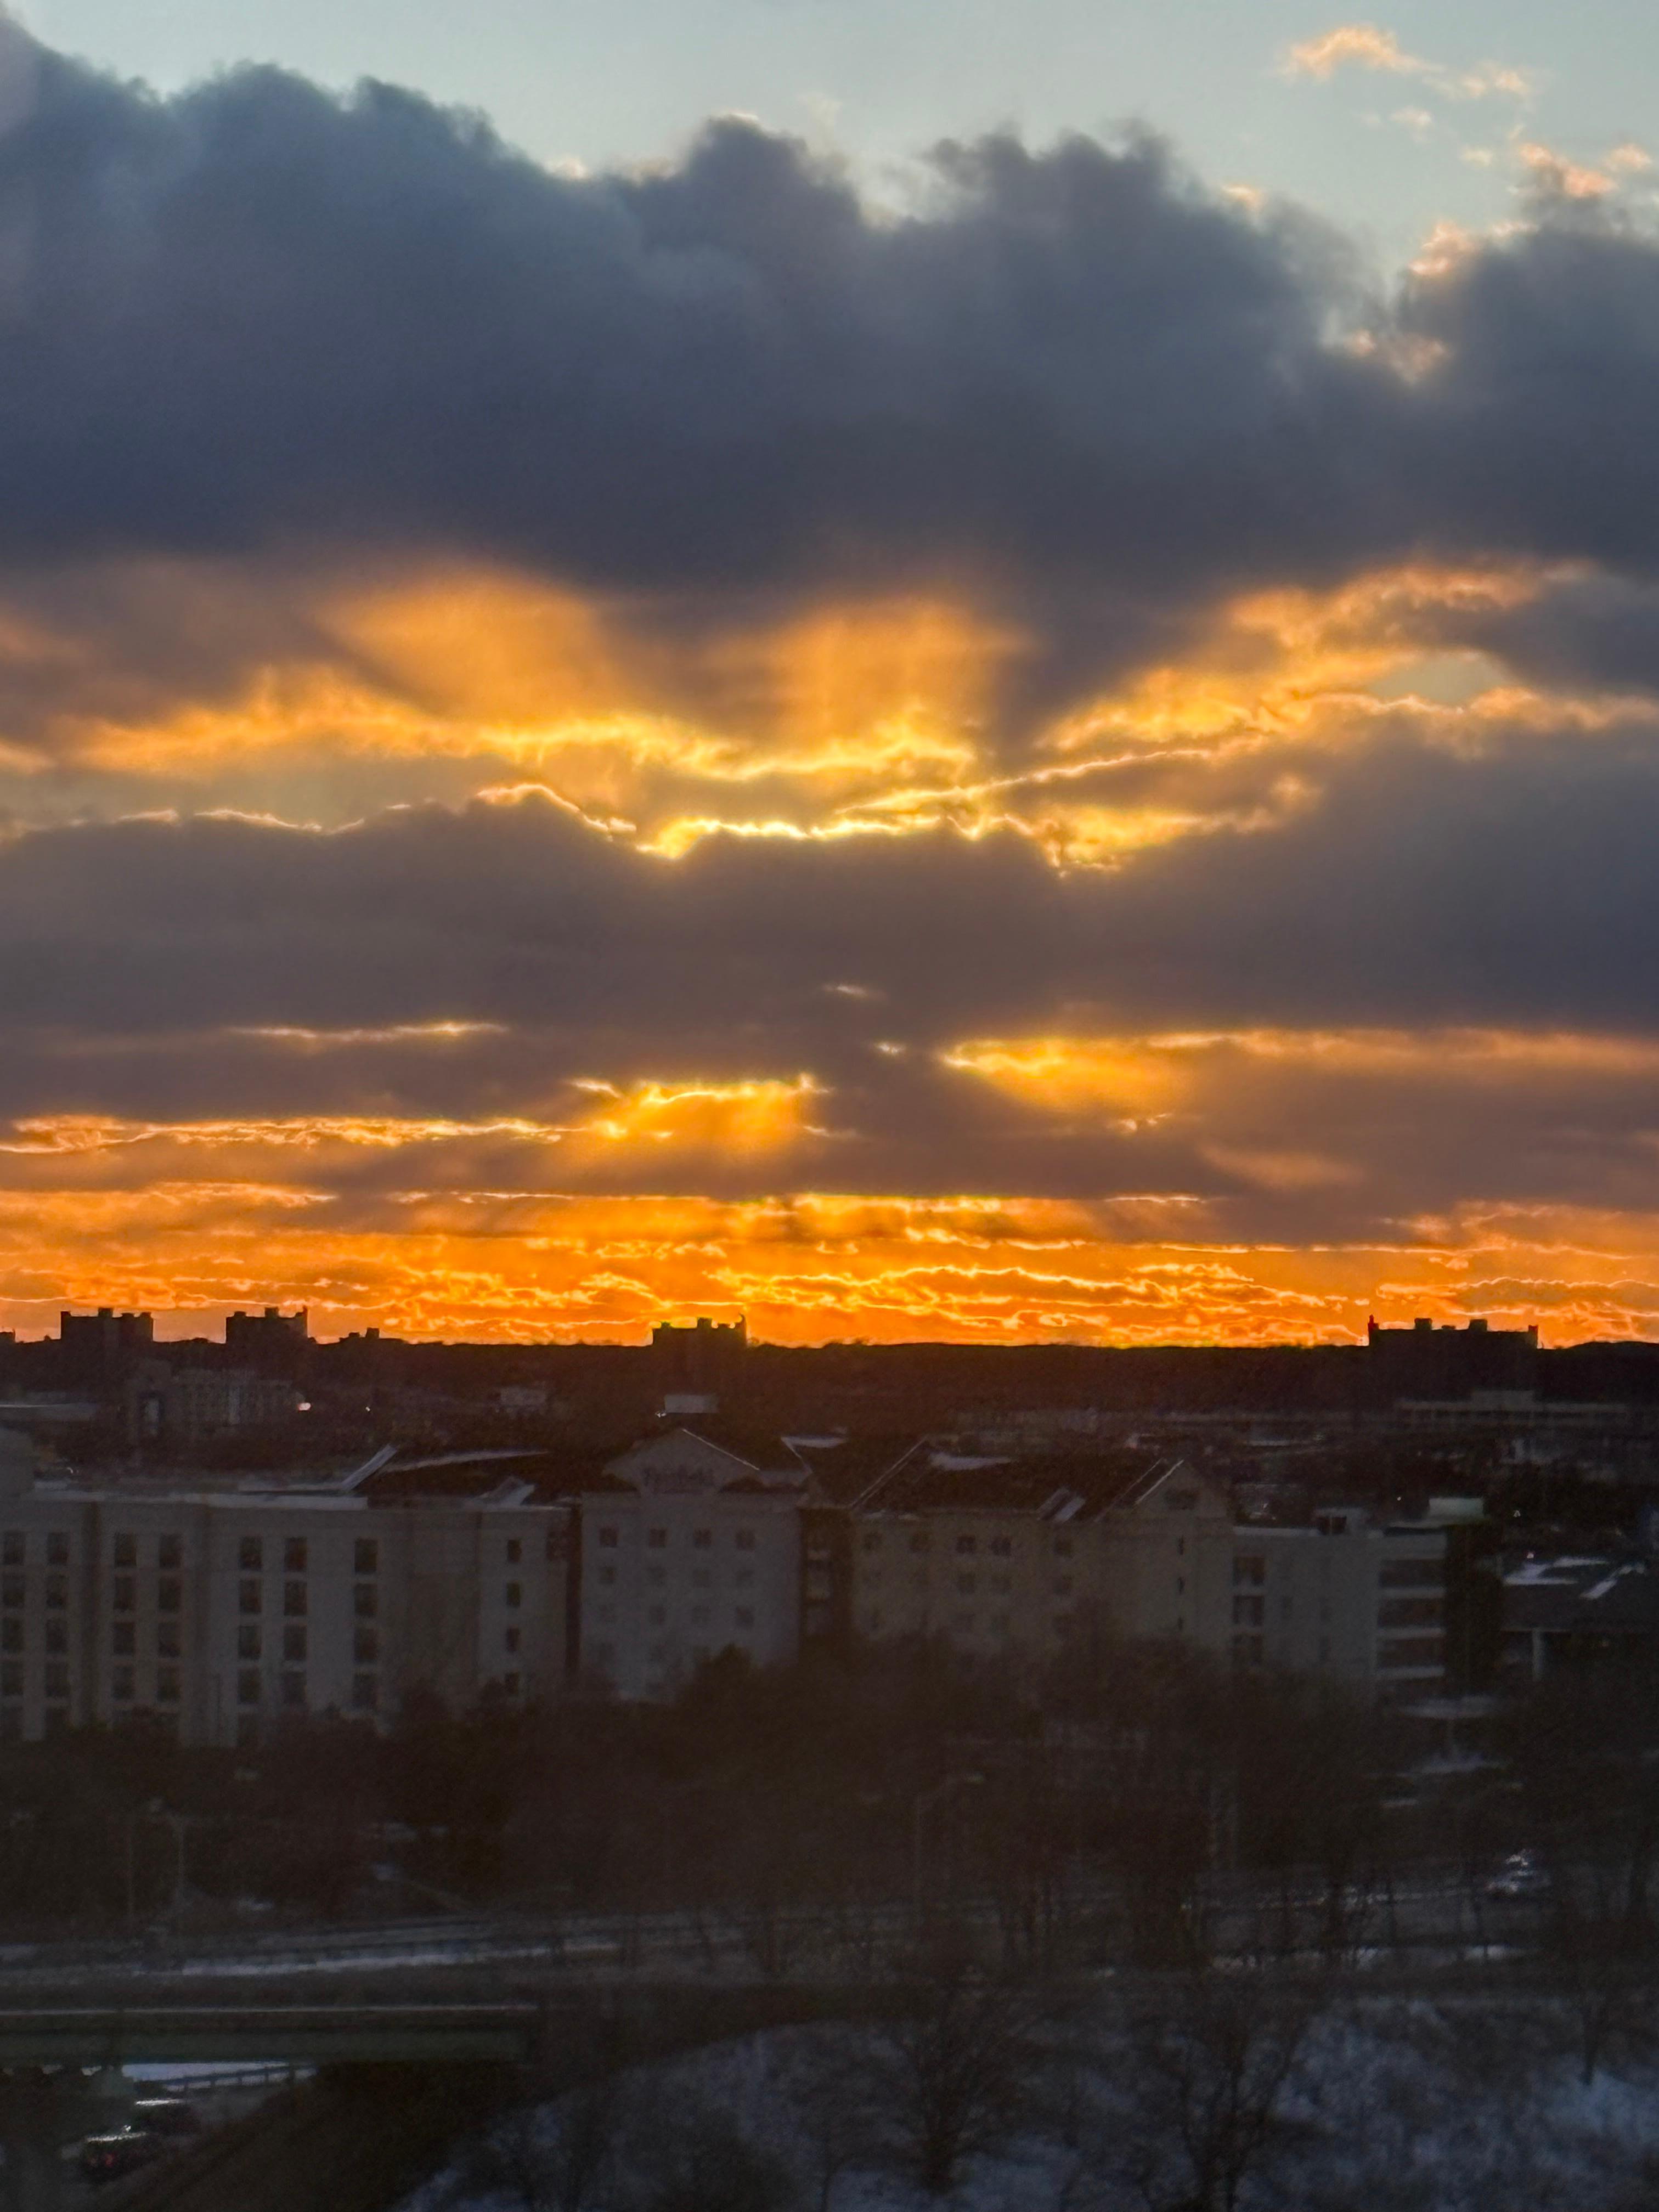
(1003, 1556)
(689, 1546)
(1350, 1599)
(217, 1613)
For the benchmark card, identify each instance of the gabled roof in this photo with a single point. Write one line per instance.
(1579, 1596)
(1056, 1486)
(687, 1462)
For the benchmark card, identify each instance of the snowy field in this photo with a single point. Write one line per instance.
(1384, 2108)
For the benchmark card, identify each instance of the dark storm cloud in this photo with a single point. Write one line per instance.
(145, 964)
(1514, 886)
(1070, 383)
(1074, 382)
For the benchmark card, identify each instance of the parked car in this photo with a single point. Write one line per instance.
(107, 2158)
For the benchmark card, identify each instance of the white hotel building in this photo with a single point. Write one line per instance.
(215, 1613)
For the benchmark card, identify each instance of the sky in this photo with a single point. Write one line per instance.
(923, 670)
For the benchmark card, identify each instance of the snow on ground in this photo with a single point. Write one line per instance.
(1393, 2108)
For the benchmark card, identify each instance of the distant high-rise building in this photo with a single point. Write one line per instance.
(93, 1348)
(1426, 1362)
(270, 1343)
(703, 1360)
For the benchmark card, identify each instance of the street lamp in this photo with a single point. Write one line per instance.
(924, 1804)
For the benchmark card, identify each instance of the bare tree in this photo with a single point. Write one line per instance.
(830, 2088)
(546, 2158)
(954, 2072)
(1211, 2067)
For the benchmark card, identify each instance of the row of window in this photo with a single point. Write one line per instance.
(14, 1592)
(702, 1540)
(1000, 1548)
(291, 1691)
(997, 1625)
(968, 1584)
(14, 1548)
(743, 1616)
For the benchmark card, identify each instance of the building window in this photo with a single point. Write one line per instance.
(293, 1693)
(120, 1685)
(607, 1574)
(608, 1538)
(11, 1635)
(657, 1577)
(57, 1593)
(745, 1540)
(657, 1616)
(1062, 1625)
(13, 1589)
(1062, 1585)
(1407, 1574)
(700, 1616)
(365, 1555)
(1248, 1612)
(123, 1596)
(701, 1578)
(169, 1554)
(512, 1683)
(744, 1616)
(294, 1600)
(965, 1583)
(365, 1600)
(512, 1639)
(366, 1646)
(364, 1693)
(58, 1679)
(248, 1642)
(998, 1624)
(251, 1555)
(919, 1541)
(169, 1595)
(1003, 1546)
(871, 1539)
(167, 1686)
(249, 1598)
(11, 1678)
(247, 1687)
(11, 1553)
(294, 1643)
(515, 1551)
(964, 1624)
(56, 1548)
(1247, 1650)
(1249, 1570)
(168, 1643)
(293, 1555)
(1062, 1548)
(125, 1550)
(57, 1638)
(702, 1538)
(513, 1595)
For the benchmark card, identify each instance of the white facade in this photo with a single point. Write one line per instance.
(692, 1551)
(218, 1614)
(1345, 1599)
(993, 1579)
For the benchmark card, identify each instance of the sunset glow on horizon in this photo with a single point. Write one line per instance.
(1025, 745)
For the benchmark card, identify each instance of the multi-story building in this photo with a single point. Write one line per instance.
(1000, 1556)
(1347, 1599)
(689, 1548)
(185, 1405)
(216, 1614)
